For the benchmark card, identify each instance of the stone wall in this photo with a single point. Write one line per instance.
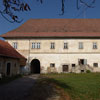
(15, 66)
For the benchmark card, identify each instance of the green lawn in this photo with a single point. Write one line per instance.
(78, 86)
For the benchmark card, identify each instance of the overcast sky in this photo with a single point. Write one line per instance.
(51, 9)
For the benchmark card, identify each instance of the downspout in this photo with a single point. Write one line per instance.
(29, 55)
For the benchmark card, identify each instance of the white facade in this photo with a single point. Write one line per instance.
(88, 53)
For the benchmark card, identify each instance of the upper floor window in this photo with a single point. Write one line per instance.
(52, 45)
(80, 45)
(33, 45)
(15, 45)
(65, 45)
(94, 45)
(36, 45)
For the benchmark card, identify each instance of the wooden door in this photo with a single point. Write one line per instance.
(8, 68)
(65, 68)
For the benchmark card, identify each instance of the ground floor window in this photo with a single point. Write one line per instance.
(95, 64)
(82, 71)
(52, 64)
(73, 65)
(82, 61)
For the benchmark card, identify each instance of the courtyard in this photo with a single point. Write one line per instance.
(84, 86)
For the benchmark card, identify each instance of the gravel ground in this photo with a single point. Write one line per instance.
(17, 89)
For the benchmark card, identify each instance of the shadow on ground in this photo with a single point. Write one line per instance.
(32, 88)
(16, 89)
(48, 89)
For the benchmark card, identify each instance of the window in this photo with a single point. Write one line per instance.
(95, 64)
(82, 61)
(82, 71)
(36, 45)
(52, 45)
(80, 45)
(73, 65)
(33, 45)
(94, 45)
(15, 45)
(65, 45)
(52, 65)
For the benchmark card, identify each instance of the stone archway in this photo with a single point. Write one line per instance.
(35, 66)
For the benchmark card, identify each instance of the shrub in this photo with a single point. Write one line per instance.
(88, 71)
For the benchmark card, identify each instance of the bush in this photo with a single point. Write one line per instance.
(88, 71)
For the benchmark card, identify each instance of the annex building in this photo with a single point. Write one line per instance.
(58, 45)
(10, 60)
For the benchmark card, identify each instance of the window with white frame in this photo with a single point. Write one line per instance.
(94, 45)
(36, 45)
(80, 45)
(52, 45)
(65, 45)
(33, 45)
(15, 45)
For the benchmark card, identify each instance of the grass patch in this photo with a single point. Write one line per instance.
(78, 86)
(6, 80)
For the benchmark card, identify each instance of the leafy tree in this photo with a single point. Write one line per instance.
(12, 6)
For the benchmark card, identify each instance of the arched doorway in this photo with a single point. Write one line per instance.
(35, 66)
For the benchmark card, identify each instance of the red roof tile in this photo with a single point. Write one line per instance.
(8, 51)
(51, 34)
(57, 28)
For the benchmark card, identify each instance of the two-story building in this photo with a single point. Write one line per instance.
(58, 45)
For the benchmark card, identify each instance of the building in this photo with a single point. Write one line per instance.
(58, 45)
(10, 60)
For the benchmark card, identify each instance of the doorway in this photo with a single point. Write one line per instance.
(35, 66)
(82, 61)
(65, 68)
(8, 69)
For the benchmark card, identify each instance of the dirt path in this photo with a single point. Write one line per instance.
(28, 88)
(17, 89)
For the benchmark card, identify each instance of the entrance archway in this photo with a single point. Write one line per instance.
(35, 66)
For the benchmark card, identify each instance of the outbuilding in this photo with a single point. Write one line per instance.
(10, 60)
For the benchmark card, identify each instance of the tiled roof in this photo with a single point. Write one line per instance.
(51, 34)
(57, 28)
(7, 50)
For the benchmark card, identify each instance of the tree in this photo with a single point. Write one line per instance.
(10, 7)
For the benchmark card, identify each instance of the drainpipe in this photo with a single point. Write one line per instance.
(29, 55)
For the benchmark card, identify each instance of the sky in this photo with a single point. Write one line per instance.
(51, 9)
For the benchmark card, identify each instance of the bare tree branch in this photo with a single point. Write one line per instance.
(12, 6)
